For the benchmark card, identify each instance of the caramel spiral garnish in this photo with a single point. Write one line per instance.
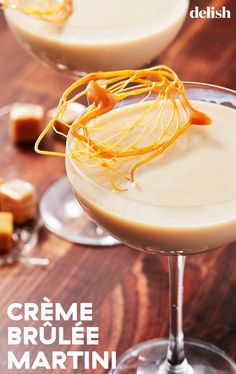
(122, 150)
(56, 11)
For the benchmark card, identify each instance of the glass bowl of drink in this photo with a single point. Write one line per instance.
(184, 203)
(124, 35)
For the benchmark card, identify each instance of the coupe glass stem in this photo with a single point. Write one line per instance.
(176, 361)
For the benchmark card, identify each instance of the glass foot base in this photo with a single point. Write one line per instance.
(62, 215)
(149, 358)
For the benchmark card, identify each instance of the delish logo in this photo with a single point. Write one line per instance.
(210, 12)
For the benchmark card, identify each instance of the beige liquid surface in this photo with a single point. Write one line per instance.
(184, 200)
(104, 34)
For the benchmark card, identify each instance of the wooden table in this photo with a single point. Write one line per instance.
(129, 290)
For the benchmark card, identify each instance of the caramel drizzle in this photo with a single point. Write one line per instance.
(57, 11)
(122, 149)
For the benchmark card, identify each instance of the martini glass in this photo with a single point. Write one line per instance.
(121, 43)
(204, 228)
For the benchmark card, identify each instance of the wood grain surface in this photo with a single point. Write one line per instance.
(129, 290)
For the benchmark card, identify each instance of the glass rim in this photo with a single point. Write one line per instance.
(188, 85)
(156, 17)
(209, 85)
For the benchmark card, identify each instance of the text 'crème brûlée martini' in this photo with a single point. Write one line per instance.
(150, 178)
(102, 35)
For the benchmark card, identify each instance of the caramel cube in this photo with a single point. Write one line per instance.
(72, 111)
(6, 230)
(26, 122)
(19, 198)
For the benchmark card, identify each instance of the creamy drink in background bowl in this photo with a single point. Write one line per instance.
(184, 201)
(102, 35)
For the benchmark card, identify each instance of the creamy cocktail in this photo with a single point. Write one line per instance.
(153, 161)
(183, 201)
(102, 35)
